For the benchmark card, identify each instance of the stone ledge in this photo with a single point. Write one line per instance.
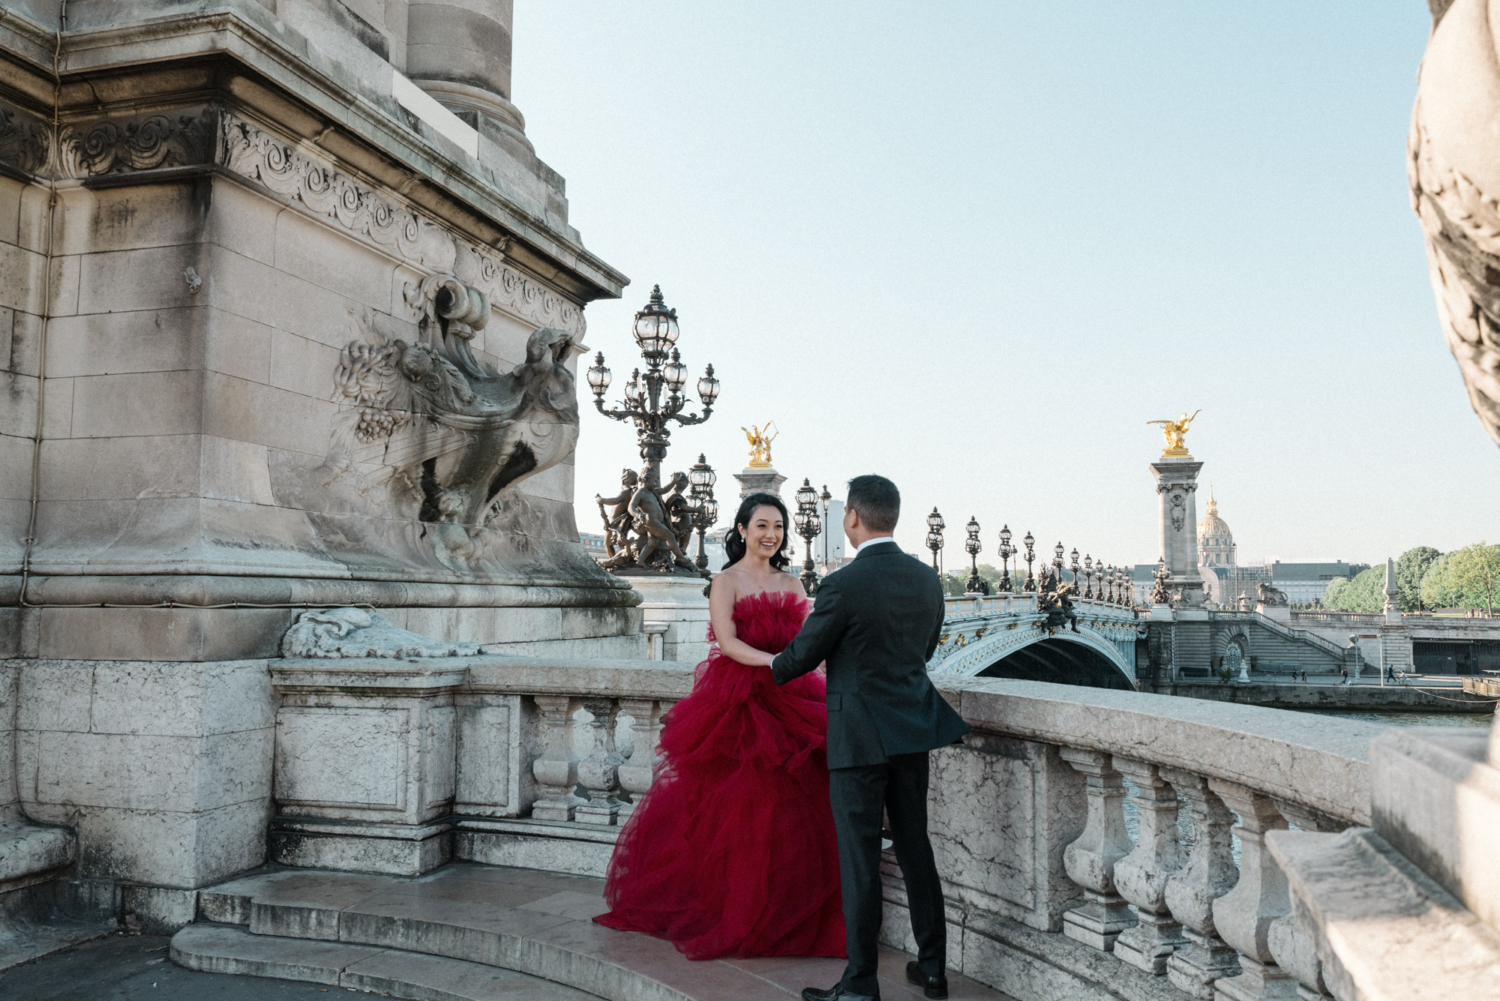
(222, 949)
(1314, 761)
(536, 923)
(31, 854)
(1382, 928)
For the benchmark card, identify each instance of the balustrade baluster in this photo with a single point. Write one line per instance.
(1141, 876)
(639, 770)
(1290, 942)
(599, 771)
(1090, 860)
(1244, 915)
(1209, 873)
(556, 768)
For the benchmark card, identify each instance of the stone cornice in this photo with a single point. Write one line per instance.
(212, 136)
(270, 71)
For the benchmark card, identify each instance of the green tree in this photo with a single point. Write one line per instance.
(1473, 573)
(1410, 569)
(1365, 593)
(1333, 596)
(1435, 590)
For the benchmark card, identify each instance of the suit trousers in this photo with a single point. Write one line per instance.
(858, 795)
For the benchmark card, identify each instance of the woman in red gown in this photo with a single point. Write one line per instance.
(732, 851)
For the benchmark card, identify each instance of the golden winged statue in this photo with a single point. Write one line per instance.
(760, 445)
(1174, 431)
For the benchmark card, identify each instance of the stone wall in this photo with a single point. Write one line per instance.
(251, 232)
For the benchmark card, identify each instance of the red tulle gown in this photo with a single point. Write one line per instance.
(732, 852)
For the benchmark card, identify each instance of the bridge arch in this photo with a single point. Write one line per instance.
(1064, 660)
(1099, 654)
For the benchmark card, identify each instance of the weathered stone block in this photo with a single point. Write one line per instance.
(1001, 813)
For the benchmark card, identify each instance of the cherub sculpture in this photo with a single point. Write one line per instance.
(1175, 431)
(617, 520)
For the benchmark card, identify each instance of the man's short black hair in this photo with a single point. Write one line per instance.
(877, 500)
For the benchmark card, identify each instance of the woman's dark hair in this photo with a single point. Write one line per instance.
(734, 539)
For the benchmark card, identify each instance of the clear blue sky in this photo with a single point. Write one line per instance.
(976, 246)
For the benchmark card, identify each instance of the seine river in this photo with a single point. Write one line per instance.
(1473, 720)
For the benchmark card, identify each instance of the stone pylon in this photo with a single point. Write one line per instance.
(1177, 488)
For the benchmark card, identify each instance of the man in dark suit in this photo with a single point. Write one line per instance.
(876, 622)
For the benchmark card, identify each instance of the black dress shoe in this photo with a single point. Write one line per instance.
(835, 993)
(934, 987)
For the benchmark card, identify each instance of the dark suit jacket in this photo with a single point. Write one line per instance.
(876, 622)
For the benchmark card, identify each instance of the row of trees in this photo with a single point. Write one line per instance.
(955, 584)
(1465, 578)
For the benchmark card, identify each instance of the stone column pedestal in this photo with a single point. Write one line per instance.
(755, 480)
(678, 602)
(365, 765)
(1177, 488)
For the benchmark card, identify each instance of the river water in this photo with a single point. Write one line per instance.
(1395, 718)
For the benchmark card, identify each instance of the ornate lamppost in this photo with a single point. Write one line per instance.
(1057, 565)
(935, 528)
(706, 513)
(825, 497)
(808, 526)
(972, 546)
(1006, 552)
(1073, 566)
(660, 521)
(1088, 577)
(1030, 584)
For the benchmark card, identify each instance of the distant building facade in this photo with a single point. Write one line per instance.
(1224, 579)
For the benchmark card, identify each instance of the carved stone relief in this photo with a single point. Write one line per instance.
(213, 135)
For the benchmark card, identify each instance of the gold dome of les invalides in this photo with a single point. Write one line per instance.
(1212, 524)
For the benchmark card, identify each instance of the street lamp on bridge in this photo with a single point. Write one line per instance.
(1088, 577)
(935, 528)
(702, 478)
(825, 497)
(1006, 552)
(972, 546)
(1074, 567)
(1030, 542)
(1057, 564)
(808, 526)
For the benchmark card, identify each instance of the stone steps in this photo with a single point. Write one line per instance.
(530, 922)
(230, 949)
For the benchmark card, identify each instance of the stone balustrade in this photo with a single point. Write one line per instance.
(1094, 843)
(1088, 840)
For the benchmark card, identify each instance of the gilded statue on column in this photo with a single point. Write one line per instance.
(760, 445)
(1175, 431)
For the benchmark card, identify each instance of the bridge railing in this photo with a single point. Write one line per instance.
(1338, 618)
(1096, 829)
(1090, 830)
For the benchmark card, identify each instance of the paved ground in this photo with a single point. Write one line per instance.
(130, 967)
